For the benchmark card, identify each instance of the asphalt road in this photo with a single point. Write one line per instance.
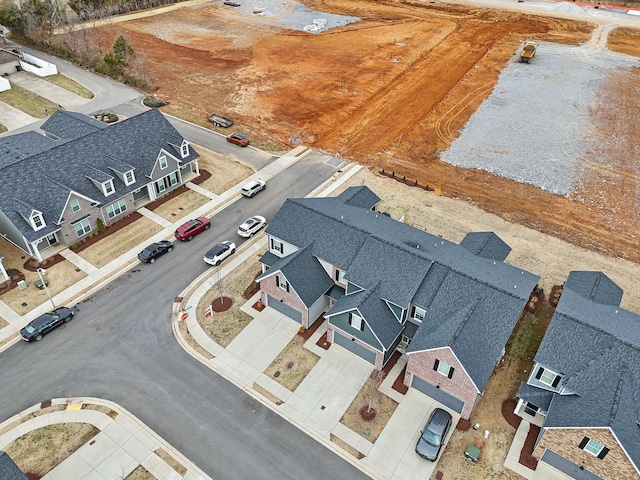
(120, 347)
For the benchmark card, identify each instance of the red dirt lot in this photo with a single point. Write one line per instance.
(393, 91)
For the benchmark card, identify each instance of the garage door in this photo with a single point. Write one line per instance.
(353, 347)
(285, 309)
(443, 397)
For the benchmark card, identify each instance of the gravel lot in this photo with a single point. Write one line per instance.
(549, 99)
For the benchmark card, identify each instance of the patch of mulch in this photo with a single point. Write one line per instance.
(253, 288)
(33, 265)
(463, 425)
(221, 304)
(526, 454)
(15, 276)
(259, 306)
(111, 229)
(314, 326)
(323, 342)
(32, 476)
(367, 414)
(534, 303)
(508, 406)
(204, 175)
(406, 181)
(554, 296)
(392, 361)
(398, 384)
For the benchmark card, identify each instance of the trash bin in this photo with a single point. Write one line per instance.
(18, 68)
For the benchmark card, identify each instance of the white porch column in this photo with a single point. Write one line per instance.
(2, 269)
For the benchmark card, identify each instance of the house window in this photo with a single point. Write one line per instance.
(443, 368)
(419, 313)
(594, 448)
(129, 178)
(340, 276)
(75, 205)
(276, 245)
(356, 322)
(530, 409)
(160, 186)
(108, 187)
(173, 179)
(185, 149)
(548, 377)
(82, 227)
(38, 221)
(282, 283)
(163, 162)
(116, 208)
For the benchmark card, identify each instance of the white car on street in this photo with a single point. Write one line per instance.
(251, 226)
(253, 187)
(219, 252)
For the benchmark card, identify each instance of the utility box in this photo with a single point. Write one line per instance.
(472, 454)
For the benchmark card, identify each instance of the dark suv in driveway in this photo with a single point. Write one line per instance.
(45, 323)
(434, 434)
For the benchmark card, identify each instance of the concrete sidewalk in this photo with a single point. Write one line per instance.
(48, 90)
(123, 443)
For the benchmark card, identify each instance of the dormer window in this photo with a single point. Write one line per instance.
(129, 178)
(37, 222)
(418, 313)
(184, 149)
(75, 205)
(340, 276)
(163, 162)
(548, 377)
(107, 187)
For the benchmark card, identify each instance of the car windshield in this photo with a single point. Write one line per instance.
(29, 329)
(215, 251)
(431, 438)
(242, 229)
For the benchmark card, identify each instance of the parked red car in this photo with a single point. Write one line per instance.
(190, 229)
(238, 139)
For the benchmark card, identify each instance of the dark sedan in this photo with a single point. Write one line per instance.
(155, 250)
(45, 323)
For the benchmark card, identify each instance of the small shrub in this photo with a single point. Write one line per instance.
(416, 183)
(393, 174)
(383, 171)
(101, 226)
(404, 178)
(154, 102)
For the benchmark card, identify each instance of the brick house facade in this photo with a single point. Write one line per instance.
(566, 442)
(458, 384)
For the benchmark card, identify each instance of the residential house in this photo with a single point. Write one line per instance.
(57, 187)
(8, 469)
(584, 388)
(385, 286)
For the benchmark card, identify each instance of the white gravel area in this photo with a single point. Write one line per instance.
(535, 124)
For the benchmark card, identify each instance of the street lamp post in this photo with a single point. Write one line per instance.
(42, 271)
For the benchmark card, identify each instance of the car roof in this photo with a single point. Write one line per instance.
(219, 248)
(251, 184)
(439, 420)
(239, 135)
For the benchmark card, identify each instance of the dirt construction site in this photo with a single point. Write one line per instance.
(432, 92)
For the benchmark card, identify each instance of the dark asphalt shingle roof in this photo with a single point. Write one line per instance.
(375, 312)
(305, 274)
(14, 148)
(360, 196)
(45, 180)
(595, 345)
(482, 298)
(71, 125)
(8, 469)
(537, 396)
(486, 244)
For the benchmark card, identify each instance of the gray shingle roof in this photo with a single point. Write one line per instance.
(486, 244)
(359, 197)
(14, 148)
(538, 397)
(71, 125)
(595, 344)
(407, 265)
(305, 274)
(8, 469)
(45, 180)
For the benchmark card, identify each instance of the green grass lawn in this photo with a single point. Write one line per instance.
(28, 102)
(69, 84)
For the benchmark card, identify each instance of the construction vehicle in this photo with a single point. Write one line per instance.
(528, 51)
